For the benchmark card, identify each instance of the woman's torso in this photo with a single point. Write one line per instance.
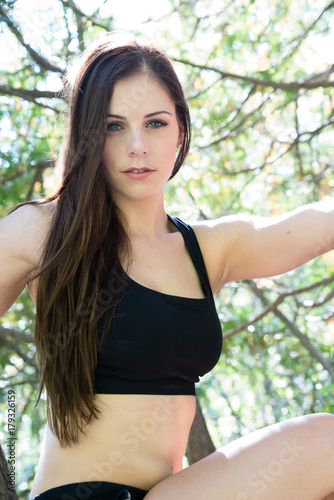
(139, 439)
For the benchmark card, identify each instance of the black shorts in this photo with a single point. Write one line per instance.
(94, 490)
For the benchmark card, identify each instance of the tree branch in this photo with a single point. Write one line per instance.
(268, 161)
(32, 95)
(271, 306)
(11, 339)
(237, 417)
(305, 341)
(12, 345)
(228, 133)
(78, 12)
(236, 112)
(29, 94)
(38, 176)
(315, 132)
(301, 37)
(297, 41)
(16, 335)
(311, 84)
(43, 63)
(297, 143)
(320, 303)
(13, 382)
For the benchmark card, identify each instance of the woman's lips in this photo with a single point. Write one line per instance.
(138, 173)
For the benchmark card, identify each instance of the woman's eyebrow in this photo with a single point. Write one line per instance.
(157, 113)
(119, 117)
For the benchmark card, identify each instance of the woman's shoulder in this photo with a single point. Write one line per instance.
(37, 215)
(220, 241)
(24, 230)
(40, 208)
(23, 234)
(214, 239)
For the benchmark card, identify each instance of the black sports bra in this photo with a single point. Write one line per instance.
(159, 343)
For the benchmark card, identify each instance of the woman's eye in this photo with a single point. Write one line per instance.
(113, 127)
(157, 124)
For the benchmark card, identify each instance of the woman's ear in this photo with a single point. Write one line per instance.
(181, 137)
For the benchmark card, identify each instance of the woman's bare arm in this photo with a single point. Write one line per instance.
(247, 247)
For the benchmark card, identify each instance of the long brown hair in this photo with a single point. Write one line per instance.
(81, 268)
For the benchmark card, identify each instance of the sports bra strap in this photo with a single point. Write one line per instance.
(195, 253)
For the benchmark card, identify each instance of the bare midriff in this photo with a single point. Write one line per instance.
(138, 440)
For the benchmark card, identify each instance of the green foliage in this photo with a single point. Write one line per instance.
(262, 143)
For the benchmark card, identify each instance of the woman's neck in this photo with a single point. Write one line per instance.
(144, 217)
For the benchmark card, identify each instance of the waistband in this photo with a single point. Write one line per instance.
(93, 490)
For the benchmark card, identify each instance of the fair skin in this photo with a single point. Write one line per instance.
(140, 439)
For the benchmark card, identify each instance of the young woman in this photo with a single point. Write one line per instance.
(125, 315)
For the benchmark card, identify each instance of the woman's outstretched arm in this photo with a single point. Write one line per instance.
(248, 247)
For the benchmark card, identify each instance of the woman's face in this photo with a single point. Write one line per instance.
(142, 137)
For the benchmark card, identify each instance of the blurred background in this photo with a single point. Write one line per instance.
(259, 79)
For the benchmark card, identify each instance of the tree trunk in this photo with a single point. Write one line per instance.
(200, 444)
(5, 493)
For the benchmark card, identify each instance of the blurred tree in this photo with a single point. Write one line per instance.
(259, 80)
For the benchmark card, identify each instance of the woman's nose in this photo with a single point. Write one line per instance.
(137, 145)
